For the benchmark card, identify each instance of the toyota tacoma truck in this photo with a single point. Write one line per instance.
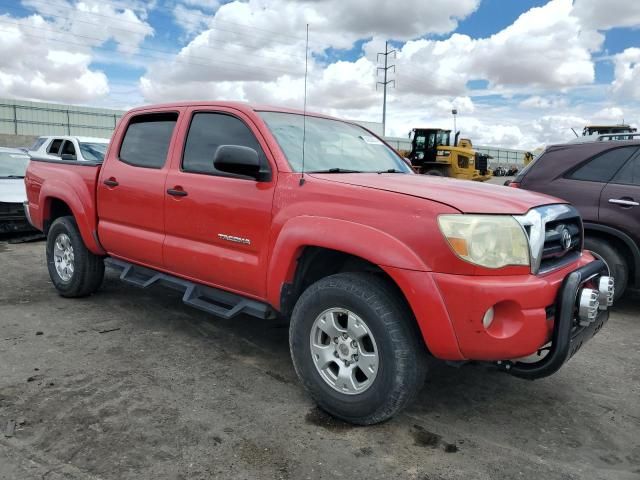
(271, 212)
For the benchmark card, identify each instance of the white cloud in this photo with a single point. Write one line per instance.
(93, 23)
(627, 74)
(48, 55)
(32, 68)
(603, 15)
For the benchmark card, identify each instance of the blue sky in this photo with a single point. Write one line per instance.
(520, 72)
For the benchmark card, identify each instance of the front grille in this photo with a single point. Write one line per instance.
(562, 242)
(555, 236)
(11, 209)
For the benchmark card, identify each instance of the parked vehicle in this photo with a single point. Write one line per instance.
(375, 265)
(72, 148)
(13, 165)
(602, 180)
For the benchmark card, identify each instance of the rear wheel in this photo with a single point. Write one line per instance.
(435, 172)
(355, 349)
(74, 270)
(615, 261)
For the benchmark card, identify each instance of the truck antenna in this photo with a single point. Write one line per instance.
(304, 108)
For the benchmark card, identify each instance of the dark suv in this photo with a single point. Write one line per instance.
(601, 179)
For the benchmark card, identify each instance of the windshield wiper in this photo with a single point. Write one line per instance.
(390, 170)
(336, 170)
(12, 176)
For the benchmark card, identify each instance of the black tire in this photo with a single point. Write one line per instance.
(88, 270)
(402, 354)
(435, 172)
(614, 260)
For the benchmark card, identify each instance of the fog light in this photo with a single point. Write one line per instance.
(606, 286)
(588, 306)
(487, 320)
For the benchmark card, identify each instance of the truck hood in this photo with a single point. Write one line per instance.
(12, 190)
(463, 195)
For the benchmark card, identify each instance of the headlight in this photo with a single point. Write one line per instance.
(492, 241)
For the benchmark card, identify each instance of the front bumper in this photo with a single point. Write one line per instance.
(532, 313)
(14, 217)
(569, 335)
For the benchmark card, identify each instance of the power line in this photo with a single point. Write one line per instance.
(155, 50)
(176, 59)
(139, 32)
(163, 8)
(385, 82)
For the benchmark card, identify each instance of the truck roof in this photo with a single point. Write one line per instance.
(242, 106)
(78, 138)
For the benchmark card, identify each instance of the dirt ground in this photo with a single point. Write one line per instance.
(132, 384)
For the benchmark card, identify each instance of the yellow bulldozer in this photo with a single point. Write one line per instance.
(433, 154)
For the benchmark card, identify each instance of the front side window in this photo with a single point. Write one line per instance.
(210, 130)
(331, 145)
(603, 167)
(146, 142)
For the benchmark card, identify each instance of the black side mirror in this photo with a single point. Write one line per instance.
(238, 160)
(68, 156)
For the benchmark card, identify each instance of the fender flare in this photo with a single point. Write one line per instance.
(56, 190)
(370, 244)
(624, 238)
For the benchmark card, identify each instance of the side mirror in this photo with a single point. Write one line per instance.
(238, 160)
(67, 156)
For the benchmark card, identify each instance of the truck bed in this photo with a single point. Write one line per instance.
(52, 183)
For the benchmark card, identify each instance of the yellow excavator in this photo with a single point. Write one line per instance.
(433, 154)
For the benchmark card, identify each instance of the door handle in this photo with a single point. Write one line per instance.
(177, 192)
(624, 202)
(111, 182)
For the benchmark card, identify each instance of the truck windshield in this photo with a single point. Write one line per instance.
(13, 165)
(331, 146)
(93, 151)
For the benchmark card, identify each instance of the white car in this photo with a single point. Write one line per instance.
(13, 165)
(70, 147)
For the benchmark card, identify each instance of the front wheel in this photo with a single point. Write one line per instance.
(614, 260)
(355, 348)
(74, 270)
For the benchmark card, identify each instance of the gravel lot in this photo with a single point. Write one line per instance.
(132, 384)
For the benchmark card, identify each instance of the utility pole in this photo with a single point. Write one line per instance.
(386, 81)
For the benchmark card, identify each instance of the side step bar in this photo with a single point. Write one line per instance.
(211, 300)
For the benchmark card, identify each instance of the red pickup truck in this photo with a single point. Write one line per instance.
(267, 211)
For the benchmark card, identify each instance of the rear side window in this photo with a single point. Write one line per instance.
(54, 148)
(630, 173)
(210, 130)
(603, 167)
(146, 142)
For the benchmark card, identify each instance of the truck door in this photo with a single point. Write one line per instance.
(131, 190)
(218, 224)
(620, 199)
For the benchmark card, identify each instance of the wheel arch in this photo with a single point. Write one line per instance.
(307, 235)
(57, 203)
(623, 242)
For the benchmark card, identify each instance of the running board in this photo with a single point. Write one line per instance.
(211, 300)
